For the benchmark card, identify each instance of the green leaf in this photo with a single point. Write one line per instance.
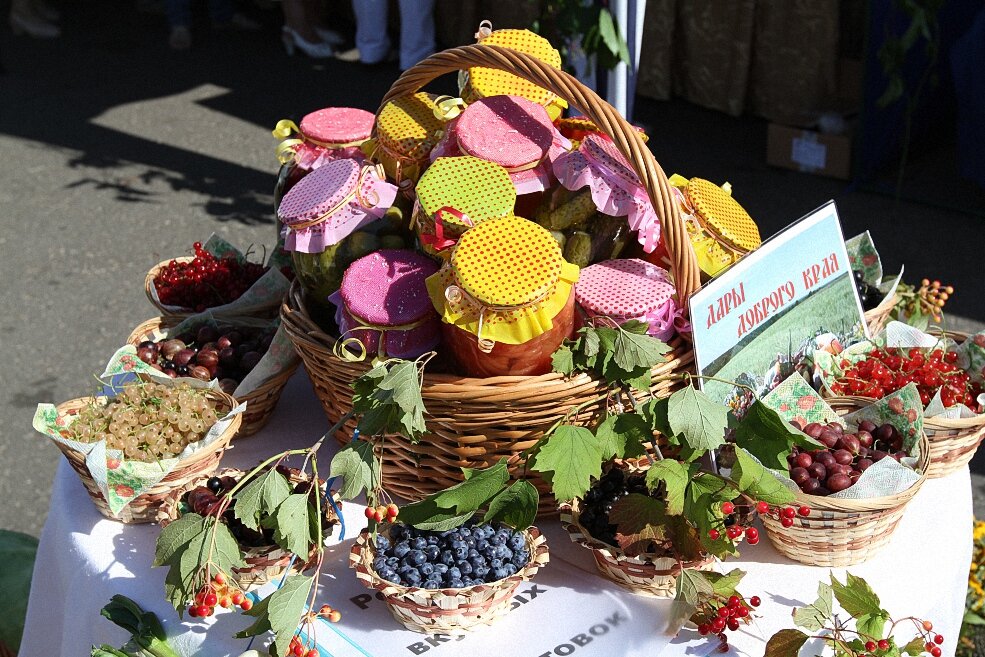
(17, 554)
(872, 625)
(758, 482)
(622, 436)
(971, 618)
(856, 596)
(675, 477)
(702, 505)
(769, 437)
(226, 554)
(640, 520)
(261, 497)
(914, 647)
(292, 528)
(700, 421)
(786, 643)
(655, 412)
(389, 399)
(631, 350)
(725, 585)
(563, 360)
(357, 465)
(641, 382)
(516, 506)
(479, 487)
(429, 516)
(280, 612)
(574, 456)
(607, 29)
(813, 617)
(174, 538)
(179, 583)
(693, 587)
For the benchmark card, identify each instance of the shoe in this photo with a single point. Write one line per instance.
(181, 38)
(293, 41)
(239, 22)
(331, 37)
(354, 57)
(33, 26)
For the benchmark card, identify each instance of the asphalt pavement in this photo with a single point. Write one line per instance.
(117, 153)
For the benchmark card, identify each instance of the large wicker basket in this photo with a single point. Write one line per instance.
(877, 318)
(447, 611)
(264, 563)
(844, 532)
(143, 508)
(474, 422)
(653, 575)
(260, 402)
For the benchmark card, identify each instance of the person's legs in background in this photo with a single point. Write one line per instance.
(225, 17)
(372, 42)
(301, 29)
(416, 31)
(179, 15)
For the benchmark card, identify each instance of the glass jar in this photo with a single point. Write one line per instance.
(406, 130)
(506, 299)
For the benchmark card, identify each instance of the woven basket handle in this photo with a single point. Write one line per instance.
(684, 265)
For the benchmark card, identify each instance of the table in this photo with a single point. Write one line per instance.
(83, 559)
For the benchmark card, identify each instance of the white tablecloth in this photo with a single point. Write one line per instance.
(84, 559)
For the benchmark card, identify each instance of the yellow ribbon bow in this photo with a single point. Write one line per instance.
(283, 131)
(447, 108)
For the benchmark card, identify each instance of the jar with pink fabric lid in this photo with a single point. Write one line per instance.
(513, 132)
(608, 204)
(332, 217)
(383, 307)
(622, 290)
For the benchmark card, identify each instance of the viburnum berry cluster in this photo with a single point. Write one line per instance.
(887, 370)
(304, 646)
(218, 592)
(733, 531)
(206, 281)
(382, 512)
(719, 614)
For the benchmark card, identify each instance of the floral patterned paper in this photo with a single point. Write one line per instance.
(863, 256)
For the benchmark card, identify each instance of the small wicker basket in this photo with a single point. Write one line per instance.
(877, 318)
(143, 508)
(268, 310)
(653, 575)
(264, 563)
(844, 532)
(260, 402)
(446, 611)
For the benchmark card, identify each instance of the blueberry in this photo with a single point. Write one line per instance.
(477, 561)
(456, 584)
(440, 568)
(454, 573)
(481, 544)
(382, 543)
(497, 574)
(426, 569)
(432, 552)
(460, 552)
(495, 563)
(472, 553)
(517, 541)
(468, 581)
(401, 549)
(411, 578)
(458, 543)
(417, 557)
(464, 567)
(502, 552)
(398, 533)
(521, 557)
(432, 583)
(448, 558)
(510, 568)
(419, 543)
(480, 572)
(495, 540)
(392, 562)
(503, 535)
(379, 563)
(433, 540)
(388, 574)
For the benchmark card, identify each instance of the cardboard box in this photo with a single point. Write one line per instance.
(809, 151)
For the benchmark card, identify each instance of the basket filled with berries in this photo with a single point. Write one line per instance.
(947, 372)
(220, 278)
(867, 461)
(264, 559)
(131, 448)
(250, 358)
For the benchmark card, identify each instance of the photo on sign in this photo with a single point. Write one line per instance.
(755, 323)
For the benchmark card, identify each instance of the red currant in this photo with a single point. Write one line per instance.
(733, 624)
(762, 508)
(246, 604)
(939, 638)
(935, 652)
(804, 511)
(755, 601)
(703, 629)
(311, 653)
(723, 612)
(752, 534)
(786, 522)
(193, 610)
(788, 512)
(211, 600)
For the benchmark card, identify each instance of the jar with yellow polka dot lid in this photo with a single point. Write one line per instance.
(506, 299)
(456, 193)
(480, 82)
(407, 128)
(720, 230)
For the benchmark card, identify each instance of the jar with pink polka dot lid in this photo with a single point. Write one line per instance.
(383, 307)
(616, 291)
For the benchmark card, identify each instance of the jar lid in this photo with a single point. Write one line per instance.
(486, 82)
(511, 131)
(337, 125)
(507, 262)
(477, 188)
(623, 288)
(407, 126)
(722, 215)
(576, 128)
(603, 150)
(387, 287)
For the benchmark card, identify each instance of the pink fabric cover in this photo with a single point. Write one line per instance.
(325, 188)
(630, 289)
(616, 189)
(387, 288)
(332, 125)
(510, 131)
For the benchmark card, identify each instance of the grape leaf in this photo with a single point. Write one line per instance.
(758, 482)
(769, 437)
(622, 436)
(655, 412)
(174, 539)
(724, 585)
(675, 477)
(631, 350)
(389, 399)
(479, 487)
(636, 327)
(357, 465)
(813, 617)
(186, 548)
(700, 421)
(428, 516)
(563, 360)
(179, 583)
(280, 612)
(516, 506)
(261, 497)
(786, 643)
(591, 343)
(640, 520)
(574, 456)
(292, 528)
(693, 587)
(872, 625)
(641, 382)
(856, 596)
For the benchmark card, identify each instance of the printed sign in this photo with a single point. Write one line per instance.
(754, 323)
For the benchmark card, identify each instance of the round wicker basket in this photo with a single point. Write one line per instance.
(653, 575)
(143, 508)
(264, 563)
(844, 532)
(877, 318)
(260, 402)
(446, 611)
